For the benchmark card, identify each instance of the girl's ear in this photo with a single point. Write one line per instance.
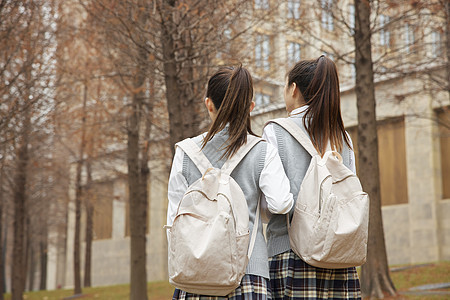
(297, 95)
(295, 90)
(209, 105)
(252, 106)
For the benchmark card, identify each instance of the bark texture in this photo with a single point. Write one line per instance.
(43, 262)
(78, 195)
(375, 279)
(447, 34)
(2, 263)
(20, 183)
(89, 206)
(137, 185)
(183, 104)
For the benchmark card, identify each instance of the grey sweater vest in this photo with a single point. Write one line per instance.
(246, 174)
(295, 161)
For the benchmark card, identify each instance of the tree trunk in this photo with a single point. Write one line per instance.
(43, 262)
(4, 242)
(43, 237)
(138, 205)
(78, 195)
(20, 181)
(447, 33)
(2, 263)
(31, 263)
(183, 111)
(89, 227)
(137, 185)
(173, 95)
(375, 279)
(26, 246)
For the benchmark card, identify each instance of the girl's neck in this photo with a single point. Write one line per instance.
(298, 109)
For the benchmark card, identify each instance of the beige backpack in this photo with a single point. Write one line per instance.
(329, 227)
(209, 244)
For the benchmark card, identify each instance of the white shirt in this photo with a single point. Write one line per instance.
(273, 182)
(270, 137)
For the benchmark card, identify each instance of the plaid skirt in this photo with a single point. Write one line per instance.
(291, 278)
(252, 288)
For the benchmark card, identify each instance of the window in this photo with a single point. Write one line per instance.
(385, 35)
(102, 199)
(293, 9)
(409, 38)
(436, 44)
(293, 53)
(327, 16)
(262, 4)
(261, 99)
(351, 18)
(262, 51)
(391, 158)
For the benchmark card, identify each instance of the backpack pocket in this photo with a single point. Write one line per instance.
(202, 253)
(241, 242)
(301, 230)
(348, 225)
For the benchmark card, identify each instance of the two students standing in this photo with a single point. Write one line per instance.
(273, 171)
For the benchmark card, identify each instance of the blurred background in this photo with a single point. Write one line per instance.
(95, 93)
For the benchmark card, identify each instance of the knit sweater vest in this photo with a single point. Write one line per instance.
(295, 161)
(246, 174)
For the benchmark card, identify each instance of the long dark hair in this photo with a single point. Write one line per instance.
(231, 91)
(318, 83)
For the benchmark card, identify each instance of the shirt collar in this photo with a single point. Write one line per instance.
(298, 110)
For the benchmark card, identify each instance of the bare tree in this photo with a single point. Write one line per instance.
(447, 38)
(78, 197)
(2, 201)
(89, 208)
(191, 36)
(19, 270)
(131, 66)
(375, 277)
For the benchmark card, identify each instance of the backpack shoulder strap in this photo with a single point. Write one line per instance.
(232, 162)
(255, 230)
(297, 133)
(195, 154)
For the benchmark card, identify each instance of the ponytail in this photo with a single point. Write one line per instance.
(318, 83)
(231, 91)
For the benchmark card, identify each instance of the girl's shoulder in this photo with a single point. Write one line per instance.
(199, 138)
(260, 147)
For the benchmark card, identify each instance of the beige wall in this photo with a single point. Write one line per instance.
(111, 257)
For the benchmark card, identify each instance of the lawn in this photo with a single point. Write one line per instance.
(156, 290)
(421, 275)
(404, 279)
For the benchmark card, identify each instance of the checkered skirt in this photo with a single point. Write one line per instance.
(252, 288)
(291, 279)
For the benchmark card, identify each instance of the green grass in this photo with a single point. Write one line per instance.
(160, 290)
(403, 280)
(421, 275)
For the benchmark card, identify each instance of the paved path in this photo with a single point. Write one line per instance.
(429, 289)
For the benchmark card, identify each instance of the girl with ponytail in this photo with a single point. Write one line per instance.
(312, 100)
(229, 103)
